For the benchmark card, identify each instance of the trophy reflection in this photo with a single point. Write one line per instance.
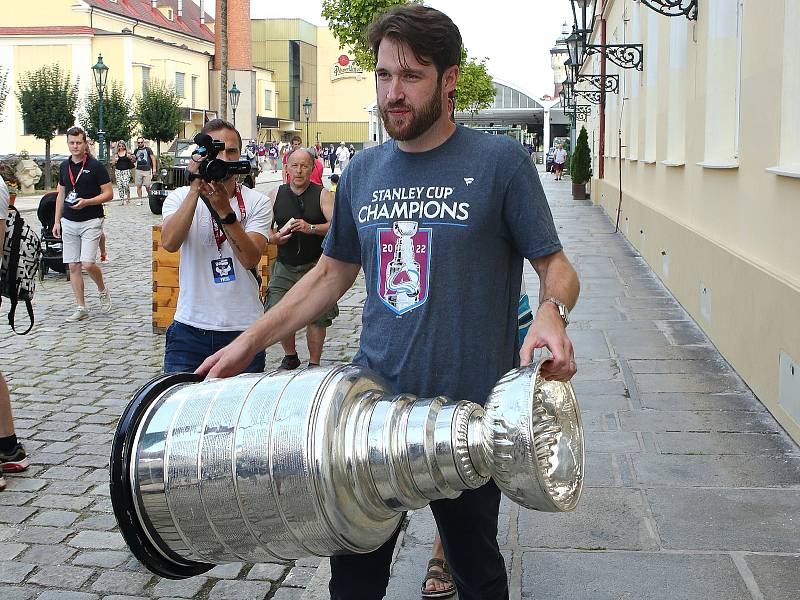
(402, 273)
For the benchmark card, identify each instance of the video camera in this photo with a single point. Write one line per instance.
(211, 167)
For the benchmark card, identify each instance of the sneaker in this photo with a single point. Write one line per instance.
(290, 363)
(79, 315)
(15, 461)
(105, 300)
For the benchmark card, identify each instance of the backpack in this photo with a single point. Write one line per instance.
(22, 252)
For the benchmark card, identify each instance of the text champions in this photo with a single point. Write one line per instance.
(413, 203)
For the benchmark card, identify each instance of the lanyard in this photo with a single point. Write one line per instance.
(72, 178)
(219, 235)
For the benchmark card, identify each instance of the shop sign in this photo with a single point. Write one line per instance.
(345, 68)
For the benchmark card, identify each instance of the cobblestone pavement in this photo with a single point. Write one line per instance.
(69, 383)
(692, 488)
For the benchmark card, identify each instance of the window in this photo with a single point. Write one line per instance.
(194, 91)
(145, 77)
(724, 42)
(651, 95)
(789, 161)
(676, 110)
(267, 100)
(179, 85)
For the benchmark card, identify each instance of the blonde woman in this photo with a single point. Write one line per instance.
(123, 162)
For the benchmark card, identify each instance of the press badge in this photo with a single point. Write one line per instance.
(222, 270)
(71, 198)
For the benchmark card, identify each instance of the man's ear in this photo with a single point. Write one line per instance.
(450, 79)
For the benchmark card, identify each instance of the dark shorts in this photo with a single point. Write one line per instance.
(187, 347)
(558, 167)
(282, 279)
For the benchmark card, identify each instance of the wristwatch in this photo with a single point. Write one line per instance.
(312, 228)
(563, 311)
(228, 219)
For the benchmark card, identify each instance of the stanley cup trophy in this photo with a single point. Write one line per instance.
(323, 461)
(402, 273)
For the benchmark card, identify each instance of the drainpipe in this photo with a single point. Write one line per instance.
(602, 145)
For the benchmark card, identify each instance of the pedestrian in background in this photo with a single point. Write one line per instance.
(83, 187)
(13, 458)
(319, 167)
(295, 144)
(123, 163)
(559, 159)
(332, 157)
(342, 156)
(145, 168)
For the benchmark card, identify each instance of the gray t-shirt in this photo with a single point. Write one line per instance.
(441, 236)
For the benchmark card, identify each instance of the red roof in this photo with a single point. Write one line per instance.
(49, 30)
(142, 10)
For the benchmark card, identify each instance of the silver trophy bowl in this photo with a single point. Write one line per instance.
(324, 461)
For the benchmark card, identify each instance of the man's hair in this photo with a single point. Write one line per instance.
(220, 124)
(310, 151)
(76, 131)
(431, 34)
(296, 138)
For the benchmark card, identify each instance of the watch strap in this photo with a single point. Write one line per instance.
(563, 311)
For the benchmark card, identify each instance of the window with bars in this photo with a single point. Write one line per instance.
(145, 77)
(179, 84)
(194, 91)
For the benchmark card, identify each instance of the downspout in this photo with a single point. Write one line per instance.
(602, 145)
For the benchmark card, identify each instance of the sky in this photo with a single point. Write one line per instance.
(515, 35)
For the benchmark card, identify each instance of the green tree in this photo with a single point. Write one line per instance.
(47, 100)
(158, 112)
(348, 21)
(474, 90)
(118, 119)
(581, 163)
(3, 91)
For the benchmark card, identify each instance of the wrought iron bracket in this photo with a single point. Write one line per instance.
(593, 96)
(583, 111)
(627, 56)
(673, 8)
(612, 82)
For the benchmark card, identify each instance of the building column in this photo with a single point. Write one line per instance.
(546, 130)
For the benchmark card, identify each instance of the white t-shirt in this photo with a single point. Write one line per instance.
(560, 156)
(342, 154)
(230, 306)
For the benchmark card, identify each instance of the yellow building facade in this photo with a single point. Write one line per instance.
(308, 63)
(139, 43)
(704, 144)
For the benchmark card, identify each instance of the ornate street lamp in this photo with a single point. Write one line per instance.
(307, 110)
(100, 72)
(673, 8)
(627, 56)
(584, 13)
(233, 95)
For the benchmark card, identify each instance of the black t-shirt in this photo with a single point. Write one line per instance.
(87, 185)
(124, 163)
(143, 162)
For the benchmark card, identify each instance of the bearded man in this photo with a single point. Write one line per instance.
(441, 244)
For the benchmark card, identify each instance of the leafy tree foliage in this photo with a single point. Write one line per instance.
(581, 164)
(3, 91)
(47, 99)
(158, 111)
(118, 120)
(474, 90)
(348, 21)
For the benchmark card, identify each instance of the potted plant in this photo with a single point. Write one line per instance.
(581, 166)
(7, 173)
(13, 189)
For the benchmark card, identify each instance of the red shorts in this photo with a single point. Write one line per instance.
(558, 167)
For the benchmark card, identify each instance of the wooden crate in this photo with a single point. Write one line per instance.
(165, 280)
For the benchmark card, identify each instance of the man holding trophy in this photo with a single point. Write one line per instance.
(416, 215)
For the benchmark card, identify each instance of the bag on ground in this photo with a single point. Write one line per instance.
(22, 253)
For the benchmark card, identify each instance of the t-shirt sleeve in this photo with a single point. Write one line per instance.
(102, 174)
(341, 241)
(171, 204)
(62, 174)
(260, 220)
(527, 215)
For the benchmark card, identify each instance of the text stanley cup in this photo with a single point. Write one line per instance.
(324, 461)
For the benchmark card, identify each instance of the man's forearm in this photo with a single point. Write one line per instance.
(245, 249)
(176, 227)
(559, 280)
(317, 291)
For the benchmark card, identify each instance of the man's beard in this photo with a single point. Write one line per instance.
(420, 120)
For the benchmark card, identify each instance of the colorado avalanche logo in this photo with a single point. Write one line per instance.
(403, 265)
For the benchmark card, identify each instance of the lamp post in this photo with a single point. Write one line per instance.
(100, 71)
(233, 95)
(307, 109)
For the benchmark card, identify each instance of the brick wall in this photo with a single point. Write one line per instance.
(239, 49)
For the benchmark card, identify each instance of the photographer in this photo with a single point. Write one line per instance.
(219, 297)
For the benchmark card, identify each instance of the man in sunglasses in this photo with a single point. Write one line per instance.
(145, 168)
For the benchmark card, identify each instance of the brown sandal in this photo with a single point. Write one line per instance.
(443, 576)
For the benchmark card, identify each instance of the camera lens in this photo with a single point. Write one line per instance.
(216, 170)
